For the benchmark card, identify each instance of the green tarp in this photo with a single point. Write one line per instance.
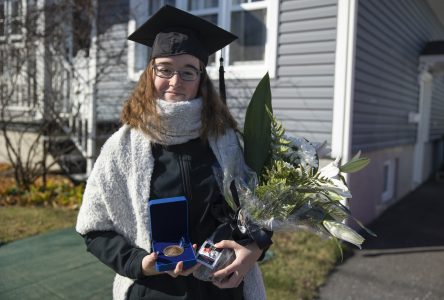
(52, 266)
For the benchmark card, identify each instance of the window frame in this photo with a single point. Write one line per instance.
(7, 36)
(225, 8)
(388, 192)
(15, 48)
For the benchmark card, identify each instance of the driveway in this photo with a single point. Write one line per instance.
(405, 261)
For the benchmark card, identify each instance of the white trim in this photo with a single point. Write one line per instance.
(431, 59)
(423, 132)
(131, 53)
(272, 38)
(92, 111)
(344, 78)
(41, 72)
(251, 5)
(20, 108)
(344, 81)
(250, 69)
(138, 14)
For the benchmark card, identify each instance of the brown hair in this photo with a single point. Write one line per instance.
(140, 108)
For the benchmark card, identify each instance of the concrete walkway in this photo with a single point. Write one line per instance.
(405, 261)
(52, 266)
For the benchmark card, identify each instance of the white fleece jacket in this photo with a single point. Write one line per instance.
(117, 192)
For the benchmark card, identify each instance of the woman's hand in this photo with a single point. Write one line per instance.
(179, 271)
(149, 266)
(233, 274)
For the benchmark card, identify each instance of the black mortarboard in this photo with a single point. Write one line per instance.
(171, 31)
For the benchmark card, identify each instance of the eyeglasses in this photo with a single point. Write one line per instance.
(187, 73)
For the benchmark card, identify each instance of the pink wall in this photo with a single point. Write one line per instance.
(367, 185)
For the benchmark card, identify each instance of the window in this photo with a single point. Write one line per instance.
(81, 24)
(11, 18)
(2, 18)
(253, 21)
(388, 180)
(16, 16)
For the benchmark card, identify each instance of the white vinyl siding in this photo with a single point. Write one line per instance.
(303, 94)
(303, 86)
(302, 89)
(390, 38)
(113, 86)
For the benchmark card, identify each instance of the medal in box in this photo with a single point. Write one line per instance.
(169, 233)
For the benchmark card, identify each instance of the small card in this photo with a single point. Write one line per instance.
(208, 254)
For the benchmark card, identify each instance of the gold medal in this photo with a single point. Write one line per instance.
(173, 250)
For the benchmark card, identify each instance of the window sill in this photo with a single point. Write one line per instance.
(241, 72)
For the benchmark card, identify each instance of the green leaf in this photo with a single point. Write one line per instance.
(355, 165)
(257, 127)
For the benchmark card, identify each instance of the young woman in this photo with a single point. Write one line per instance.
(176, 133)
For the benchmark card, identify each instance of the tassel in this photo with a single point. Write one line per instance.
(222, 92)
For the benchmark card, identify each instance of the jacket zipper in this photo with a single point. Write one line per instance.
(185, 170)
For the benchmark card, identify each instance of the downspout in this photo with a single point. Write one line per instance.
(344, 80)
(92, 77)
(41, 61)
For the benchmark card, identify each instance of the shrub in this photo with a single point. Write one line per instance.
(59, 192)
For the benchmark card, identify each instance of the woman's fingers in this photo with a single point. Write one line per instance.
(225, 272)
(231, 282)
(227, 244)
(179, 270)
(233, 274)
(176, 272)
(148, 264)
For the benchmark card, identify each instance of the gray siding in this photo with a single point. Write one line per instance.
(114, 85)
(303, 88)
(437, 114)
(390, 38)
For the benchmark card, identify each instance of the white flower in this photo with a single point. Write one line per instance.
(338, 187)
(331, 170)
(343, 232)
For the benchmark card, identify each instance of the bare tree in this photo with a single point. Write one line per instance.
(46, 79)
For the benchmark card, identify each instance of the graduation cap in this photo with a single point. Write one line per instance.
(171, 31)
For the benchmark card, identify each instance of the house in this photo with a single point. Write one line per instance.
(362, 75)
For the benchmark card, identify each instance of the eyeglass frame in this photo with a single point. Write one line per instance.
(179, 72)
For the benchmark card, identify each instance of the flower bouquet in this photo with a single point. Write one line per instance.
(280, 187)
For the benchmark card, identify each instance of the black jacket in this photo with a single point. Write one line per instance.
(185, 169)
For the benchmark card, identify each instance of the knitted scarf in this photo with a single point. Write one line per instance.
(180, 121)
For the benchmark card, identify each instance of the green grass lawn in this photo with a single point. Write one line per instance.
(299, 264)
(17, 222)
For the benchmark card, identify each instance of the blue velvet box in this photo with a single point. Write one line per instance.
(169, 226)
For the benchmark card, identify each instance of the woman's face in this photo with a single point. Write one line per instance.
(176, 89)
